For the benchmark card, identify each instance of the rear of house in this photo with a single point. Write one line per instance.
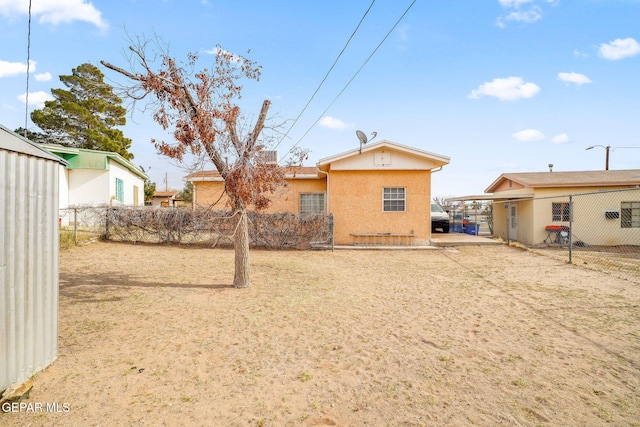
(380, 194)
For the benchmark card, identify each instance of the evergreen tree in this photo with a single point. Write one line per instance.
(187, 193)
(85, 116)
(149, 190)
(32, 136)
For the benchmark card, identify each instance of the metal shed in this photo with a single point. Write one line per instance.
(29, 249)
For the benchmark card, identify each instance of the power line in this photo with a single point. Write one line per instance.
(26, 97)
(326, 75)
(352, 78)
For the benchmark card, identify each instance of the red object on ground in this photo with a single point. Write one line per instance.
(556, 228)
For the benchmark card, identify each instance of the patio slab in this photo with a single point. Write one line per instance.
(461, 239)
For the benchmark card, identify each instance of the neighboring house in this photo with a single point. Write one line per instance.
(29, 247)
(95, 177)
(165, 199)
(380, 194)
(525, 204)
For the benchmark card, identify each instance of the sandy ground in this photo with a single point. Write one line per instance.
(483, 336)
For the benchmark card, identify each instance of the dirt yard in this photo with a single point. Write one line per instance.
(482, 336)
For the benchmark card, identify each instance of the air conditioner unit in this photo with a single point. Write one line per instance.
(269, 157)
(611, 214)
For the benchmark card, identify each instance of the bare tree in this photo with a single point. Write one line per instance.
(199, 107)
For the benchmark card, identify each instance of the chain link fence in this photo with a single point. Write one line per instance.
(599, 230)
(201, 226)
(474, 219)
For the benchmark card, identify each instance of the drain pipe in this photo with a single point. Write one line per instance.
(327, 207)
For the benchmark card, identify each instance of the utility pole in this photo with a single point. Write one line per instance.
(607, 148)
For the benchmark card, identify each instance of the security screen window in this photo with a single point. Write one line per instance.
(560, 212)
(312, 203)
(394, 199)
(630, 215)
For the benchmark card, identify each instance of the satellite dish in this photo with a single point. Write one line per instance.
(361, 136)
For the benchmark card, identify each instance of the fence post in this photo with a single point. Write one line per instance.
(570, 228)
(106, 224)
(75, 225)
(331, 231)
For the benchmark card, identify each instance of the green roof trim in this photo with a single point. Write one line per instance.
(83, 158)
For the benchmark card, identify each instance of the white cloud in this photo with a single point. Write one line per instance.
(333, 123)
(513, 3)
(506, 89)
(579, 54)
(562, 138)
(36, 99)
(43, 77)
(619, 49)
(528, 17)
(403, 32)
(579, 79)
(529, 135)
(9, 69)
(528, 14)
(56, 11)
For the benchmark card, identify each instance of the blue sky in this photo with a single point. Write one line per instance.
(497, 85)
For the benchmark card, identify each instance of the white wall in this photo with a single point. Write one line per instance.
(64, 187)
(98, 187)
(89, 187)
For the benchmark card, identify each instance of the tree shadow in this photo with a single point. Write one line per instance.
(98, 287)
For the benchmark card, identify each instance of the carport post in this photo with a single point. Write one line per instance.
(508, 221)
(571, 227)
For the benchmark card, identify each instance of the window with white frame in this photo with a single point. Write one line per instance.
(312, 203)
(560, 212)
(394, 199)
(630, 215)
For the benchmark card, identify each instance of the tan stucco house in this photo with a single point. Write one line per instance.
(527, 205)
(379, 194)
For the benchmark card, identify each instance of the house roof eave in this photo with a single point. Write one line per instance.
(440, 160)
(569, 179)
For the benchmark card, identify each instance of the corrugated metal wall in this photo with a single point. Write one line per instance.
(29, 252)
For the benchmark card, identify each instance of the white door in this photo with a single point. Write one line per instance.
(513, 222)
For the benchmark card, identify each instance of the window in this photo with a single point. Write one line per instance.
(560, 212)
(630, 215)
(393, 199)
(135, 195)
(312, 203)
(119, 190)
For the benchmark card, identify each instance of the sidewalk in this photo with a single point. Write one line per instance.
(461, 239)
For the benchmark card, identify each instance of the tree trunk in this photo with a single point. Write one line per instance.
(241, 278)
